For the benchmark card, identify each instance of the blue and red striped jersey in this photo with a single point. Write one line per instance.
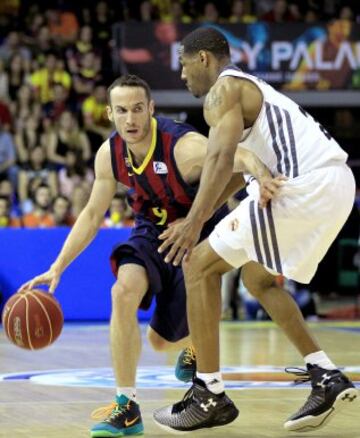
(157, 190)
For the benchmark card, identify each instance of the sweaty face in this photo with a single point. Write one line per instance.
(131, 113)
(194, 74)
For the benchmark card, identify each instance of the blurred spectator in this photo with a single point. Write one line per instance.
(102, 23)
(34, 21)
(311, 16)
(44, 79)
(42, 44)
(294, 10)
(83, 45)
(7, 156)
(85, 16)
(210, 13)
(68, 136)
(6, 189)
(239, 14)
(6, 220)
(13, 46)
(40, 217)
(61, 103)
(61, 212)
(161, 7)
(24, 106)
(176, 14)
(36, 169)
(346, 13)
(79, 198)
(87, 76)
(95, 117)
(18, 73)
(148, 12)
(27, 138)
(119, 213)
(73, 173)
(63, 25)
(4, 82)
(5, 116)
(230, 299)
(279, 13)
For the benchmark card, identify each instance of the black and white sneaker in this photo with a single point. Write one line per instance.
(199, 409)
(331, 392)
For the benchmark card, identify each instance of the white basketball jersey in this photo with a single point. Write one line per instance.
(284, 136)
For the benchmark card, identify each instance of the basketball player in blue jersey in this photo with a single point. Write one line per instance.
(160, 161)
(289, 235)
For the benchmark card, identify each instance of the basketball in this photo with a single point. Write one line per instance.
(32, 319)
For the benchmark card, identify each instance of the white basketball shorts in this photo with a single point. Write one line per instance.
(293, 233)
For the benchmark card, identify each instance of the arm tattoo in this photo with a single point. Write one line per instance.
(212, 100)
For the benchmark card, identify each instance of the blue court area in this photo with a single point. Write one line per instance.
(84, 290)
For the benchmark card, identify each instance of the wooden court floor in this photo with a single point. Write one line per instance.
(51, 393)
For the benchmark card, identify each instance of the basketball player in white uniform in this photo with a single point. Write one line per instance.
(288, 235)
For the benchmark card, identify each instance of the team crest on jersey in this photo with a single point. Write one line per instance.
(160, 167)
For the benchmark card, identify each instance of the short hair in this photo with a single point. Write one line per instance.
(130, 81)
(206, 38)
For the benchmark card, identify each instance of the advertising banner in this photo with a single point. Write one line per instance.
(294, 57)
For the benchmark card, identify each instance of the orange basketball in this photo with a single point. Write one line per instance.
(32, 319)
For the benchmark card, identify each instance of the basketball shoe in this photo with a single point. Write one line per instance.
(186, 365)
(199, 409)
(331, 392)
(123, 417)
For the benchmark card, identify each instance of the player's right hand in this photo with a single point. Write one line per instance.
(50, 278)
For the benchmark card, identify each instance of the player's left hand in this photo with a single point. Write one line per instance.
(181, 236)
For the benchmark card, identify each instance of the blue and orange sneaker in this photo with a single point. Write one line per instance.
(186, 365)
(121, 418)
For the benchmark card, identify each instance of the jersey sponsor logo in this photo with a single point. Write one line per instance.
(160, 167)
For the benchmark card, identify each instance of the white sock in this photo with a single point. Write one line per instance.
(320, 359)
(128, 391)
(213, 381)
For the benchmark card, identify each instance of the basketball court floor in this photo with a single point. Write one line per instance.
(50, 393)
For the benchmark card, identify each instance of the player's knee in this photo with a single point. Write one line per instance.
(156, 341)
(124, 298)
(257, 286)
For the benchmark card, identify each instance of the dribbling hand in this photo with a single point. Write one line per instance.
(50, 278)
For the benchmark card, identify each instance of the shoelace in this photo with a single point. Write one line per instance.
(189, 355)
(184, 403)
(302, 375)
(110, 411)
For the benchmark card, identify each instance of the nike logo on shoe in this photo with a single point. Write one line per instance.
(129, 423)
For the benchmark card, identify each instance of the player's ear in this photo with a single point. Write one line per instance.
(152, 107)
(109, 113)
(204, 57)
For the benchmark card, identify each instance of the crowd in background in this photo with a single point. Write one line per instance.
(55, 64)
